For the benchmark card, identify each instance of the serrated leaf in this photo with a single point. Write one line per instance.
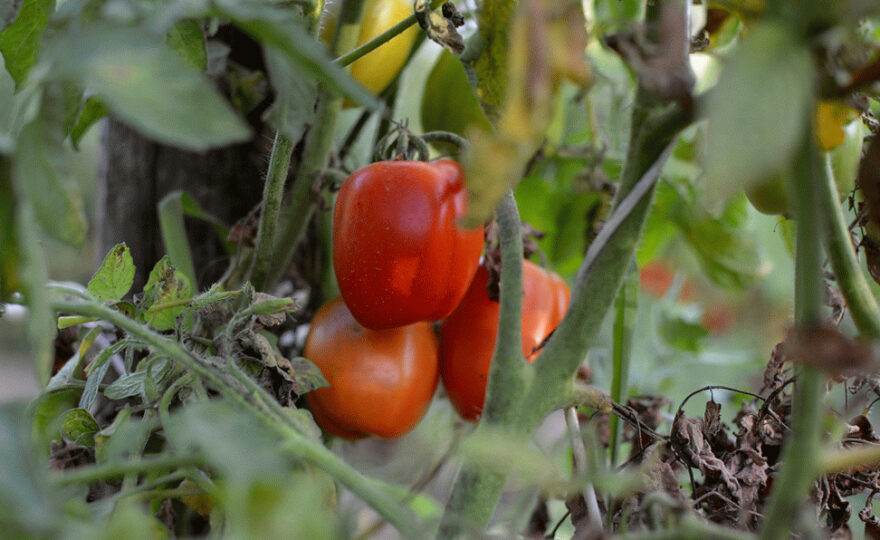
(148, 86)
(114, 278)
(20, 41)
(187, 40)
(166, 285)
(79, 427)
(755, 120)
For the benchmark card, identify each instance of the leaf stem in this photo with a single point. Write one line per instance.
(855, 290)
(94, 473)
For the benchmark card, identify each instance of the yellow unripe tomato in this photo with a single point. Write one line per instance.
(378, 68)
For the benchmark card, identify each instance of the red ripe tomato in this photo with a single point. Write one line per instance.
(398, 251)
(467, 337)
(381, 382)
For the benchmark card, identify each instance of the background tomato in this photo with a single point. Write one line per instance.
(467, 337)
(378, 68)
(449, 103)
(398, 251)
(381, 382)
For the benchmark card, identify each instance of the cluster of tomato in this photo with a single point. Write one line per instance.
(403, 261)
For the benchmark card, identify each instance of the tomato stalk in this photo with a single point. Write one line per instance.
(273, 192)
(800, 459)
(315, 155)
(655, 126)
(853, 285)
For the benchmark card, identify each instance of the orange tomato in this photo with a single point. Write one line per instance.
(468, 335)
(381, 381)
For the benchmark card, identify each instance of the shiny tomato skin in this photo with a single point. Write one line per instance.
(468, 335)
(381, 382)
(399, 254)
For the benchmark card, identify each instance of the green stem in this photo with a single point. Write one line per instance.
(625, 308)
(279, 422)
(273, 193)
(477, 489)
(507, 374)
(800, 460)
(316, 152)
(853, 286)
(94, 473)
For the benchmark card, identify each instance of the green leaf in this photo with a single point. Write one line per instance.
(114, 278)
(79, 427)
(46, 411)
(131, 521)
(92, 111)
(307, 375)
(20, 41)
(8, 12)
(126, 386)
(295, 96)
(757, 110)
(174, 234)
(26, 506)
(38, 169)
(187, 40)
(300, 48)
(145, 84)
(166, 285)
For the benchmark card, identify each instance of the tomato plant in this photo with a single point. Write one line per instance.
(377, 69)
(381, 382)
(467, 337)
(399, 254)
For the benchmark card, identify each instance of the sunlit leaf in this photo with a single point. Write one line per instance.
(20, 41)
(115, 276)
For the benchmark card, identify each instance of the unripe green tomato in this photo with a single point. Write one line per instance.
(771, 196)
(449, 103)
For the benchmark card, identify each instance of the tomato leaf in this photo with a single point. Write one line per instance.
(755, 120)
(148, 86)
(115, 276)
(20, 41)
(187, 40)
(174, 234)
(164, 290)
(307, 375)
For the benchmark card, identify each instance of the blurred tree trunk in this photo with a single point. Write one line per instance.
(137, 172)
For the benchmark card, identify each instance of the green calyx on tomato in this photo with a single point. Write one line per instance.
(399, 253)
(467, 337)
(843, 142)
(381, 382)
(378, 68)
(449, 103)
